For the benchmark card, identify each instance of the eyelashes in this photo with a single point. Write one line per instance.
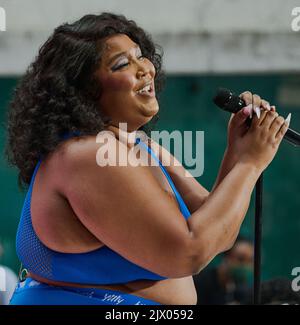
(119, 66)
(114, 68)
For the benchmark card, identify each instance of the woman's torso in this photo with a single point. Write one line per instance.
(59, 229)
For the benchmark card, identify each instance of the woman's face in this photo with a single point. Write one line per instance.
(122, 73)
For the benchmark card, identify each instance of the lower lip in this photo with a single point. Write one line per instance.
(147, 94)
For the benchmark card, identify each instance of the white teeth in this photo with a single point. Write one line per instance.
(145, 89)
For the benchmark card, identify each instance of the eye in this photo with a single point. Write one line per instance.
(117, 67)
(122, 65)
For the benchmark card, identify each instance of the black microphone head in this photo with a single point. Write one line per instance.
(226, 100)
(222, 96)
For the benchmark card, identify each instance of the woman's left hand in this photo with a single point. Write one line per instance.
(237, 126)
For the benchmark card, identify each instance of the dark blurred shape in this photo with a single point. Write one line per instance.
(279, 291)
(231, 281)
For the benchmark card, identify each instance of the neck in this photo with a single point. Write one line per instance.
(128, 138)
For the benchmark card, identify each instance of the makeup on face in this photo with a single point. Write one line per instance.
(146, 88)
(127, 79)
(121, 59)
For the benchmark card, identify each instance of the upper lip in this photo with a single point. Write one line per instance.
(147, 83)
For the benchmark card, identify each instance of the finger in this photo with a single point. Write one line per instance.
(273, 108)
(247, 97)
(240, 117)
(276, 125)
(231, 118)
(248, 110)
(256, 100)
(265, 105)
(268, 119)
(257, 120)
(281, 132)
(257, 111)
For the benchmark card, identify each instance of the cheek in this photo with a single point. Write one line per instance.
(124, 82)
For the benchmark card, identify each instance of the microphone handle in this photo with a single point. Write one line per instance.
(292, 137)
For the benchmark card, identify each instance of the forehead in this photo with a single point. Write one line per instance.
(117, 43)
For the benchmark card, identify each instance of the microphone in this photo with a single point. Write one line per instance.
(232, 103)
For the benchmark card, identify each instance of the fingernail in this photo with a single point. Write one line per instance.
(257, 111)
(288, 119)
(273, 107)
(268, 107)
(247, 109)
(250, 109)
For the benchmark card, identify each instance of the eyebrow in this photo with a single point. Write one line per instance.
(119, 54)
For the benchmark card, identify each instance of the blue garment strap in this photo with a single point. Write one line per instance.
(183, 208)
(35, 171)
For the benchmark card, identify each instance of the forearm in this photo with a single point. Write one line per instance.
(228, 162)
(215, 225)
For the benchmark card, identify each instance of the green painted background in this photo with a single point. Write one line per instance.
(186, 105)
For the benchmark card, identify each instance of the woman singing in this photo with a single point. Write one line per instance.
(96, 234)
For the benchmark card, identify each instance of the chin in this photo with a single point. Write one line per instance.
(143, 121)
(150, 111)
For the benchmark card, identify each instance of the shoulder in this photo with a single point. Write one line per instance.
(70, 159)
(83, 151)
(89, 159)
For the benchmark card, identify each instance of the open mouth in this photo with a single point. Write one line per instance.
(147, 90)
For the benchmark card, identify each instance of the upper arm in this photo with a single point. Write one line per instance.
(128, 211)
(193, 193)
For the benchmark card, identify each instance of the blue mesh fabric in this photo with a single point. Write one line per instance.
(100, 266)
(32, 253)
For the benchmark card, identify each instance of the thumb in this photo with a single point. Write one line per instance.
(241, 116)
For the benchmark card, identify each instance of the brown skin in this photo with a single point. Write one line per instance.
(120, 78)
(112, 206)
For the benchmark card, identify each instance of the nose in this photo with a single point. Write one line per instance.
(144, 69)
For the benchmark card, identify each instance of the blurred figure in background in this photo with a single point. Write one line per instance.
(8, 281)
(278, 291)
(229, 282)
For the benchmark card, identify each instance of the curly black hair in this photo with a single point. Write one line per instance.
(59, 92)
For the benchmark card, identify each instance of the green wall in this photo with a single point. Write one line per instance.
(186, 105)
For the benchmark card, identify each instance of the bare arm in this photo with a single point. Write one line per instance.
(144, 225)
(218, 221)
(128, 211)
(228, 203)
(228, 162)
(193, 193)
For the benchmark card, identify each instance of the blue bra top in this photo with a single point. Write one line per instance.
(100, 266)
